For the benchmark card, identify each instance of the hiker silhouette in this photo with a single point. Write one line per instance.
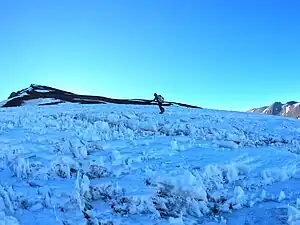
(159, 99)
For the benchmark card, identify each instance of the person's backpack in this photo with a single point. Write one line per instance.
(160, 98)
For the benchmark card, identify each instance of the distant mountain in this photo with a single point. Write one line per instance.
(290, 109)
(44, 95)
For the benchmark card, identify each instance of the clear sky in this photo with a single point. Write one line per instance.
(230, 54)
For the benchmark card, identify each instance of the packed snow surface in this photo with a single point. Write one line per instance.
(36, 102)
(127, 165)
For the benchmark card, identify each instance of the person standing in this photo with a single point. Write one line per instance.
(159, 99)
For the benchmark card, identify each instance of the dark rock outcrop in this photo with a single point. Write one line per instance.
(55, 96)
(12, 95)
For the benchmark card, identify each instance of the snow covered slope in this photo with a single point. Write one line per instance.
(127, 165)
(43, 95)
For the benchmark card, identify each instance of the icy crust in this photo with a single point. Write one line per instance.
(226, 129)
(129, 165)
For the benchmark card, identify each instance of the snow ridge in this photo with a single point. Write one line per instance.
(44, 95)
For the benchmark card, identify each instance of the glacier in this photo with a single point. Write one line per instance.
(120, 165)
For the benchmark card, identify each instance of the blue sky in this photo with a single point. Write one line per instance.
(218, 54)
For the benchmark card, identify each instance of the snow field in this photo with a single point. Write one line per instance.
(108, 164)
